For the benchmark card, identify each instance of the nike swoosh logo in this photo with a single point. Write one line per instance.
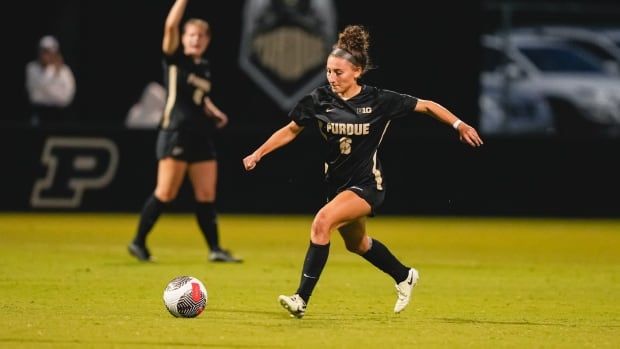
(410, 281)
(329, 109)
(308, 276)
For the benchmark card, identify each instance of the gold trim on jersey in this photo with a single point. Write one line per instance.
(321, 129)
(375, 170)
(172, 94)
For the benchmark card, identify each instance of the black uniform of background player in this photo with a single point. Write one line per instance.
(353, 130)
(186, 133)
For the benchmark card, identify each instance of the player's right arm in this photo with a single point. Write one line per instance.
(278, 139)
(171, 28)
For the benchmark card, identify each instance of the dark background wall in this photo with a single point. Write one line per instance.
(115, 49)
(428, 49)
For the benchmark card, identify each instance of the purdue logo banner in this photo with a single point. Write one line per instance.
(74, 165)
(284, 46)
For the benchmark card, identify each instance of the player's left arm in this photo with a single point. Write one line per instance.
(213, 111)
(467, 134)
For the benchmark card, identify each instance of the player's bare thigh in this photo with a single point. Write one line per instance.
(170, 174)
(203, 176)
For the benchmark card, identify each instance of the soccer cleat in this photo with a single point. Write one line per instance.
(294, 304)
(223, 256)
(140, 252)
(405, 289)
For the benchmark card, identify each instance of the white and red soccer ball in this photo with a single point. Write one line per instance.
(185, 296)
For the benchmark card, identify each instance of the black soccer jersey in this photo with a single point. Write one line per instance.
(353, 130)
(187, 83)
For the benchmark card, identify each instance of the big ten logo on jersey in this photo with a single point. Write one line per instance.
(284, 45)
(364, 110)
(74, 165)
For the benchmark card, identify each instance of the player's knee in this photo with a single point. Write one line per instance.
(204, 196)
(360, 246)
(165, 195)
(321, 227)
(354, 247)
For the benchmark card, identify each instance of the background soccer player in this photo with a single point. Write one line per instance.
(185, 140)
(352, 118)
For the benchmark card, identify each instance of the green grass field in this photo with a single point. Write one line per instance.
(67, 281)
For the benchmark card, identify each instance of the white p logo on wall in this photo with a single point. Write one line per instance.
(284, 45)
(73, 166)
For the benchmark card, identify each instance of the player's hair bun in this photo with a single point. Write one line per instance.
(354, 38)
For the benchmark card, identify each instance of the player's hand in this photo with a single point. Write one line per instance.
(250, 161)
(468, 134)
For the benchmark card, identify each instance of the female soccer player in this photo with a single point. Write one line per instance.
(185, 140)
(352, 118)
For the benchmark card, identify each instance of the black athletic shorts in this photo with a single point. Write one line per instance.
(369, 192)
(189, 145)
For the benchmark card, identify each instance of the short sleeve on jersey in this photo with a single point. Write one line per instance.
(399, 104)
(175, 57)
(303, 113)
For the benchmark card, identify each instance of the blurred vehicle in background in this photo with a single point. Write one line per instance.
(613, 33)
(597, 42)
(533, 83)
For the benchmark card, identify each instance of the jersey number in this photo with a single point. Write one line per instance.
(345, 145)
(198, 96)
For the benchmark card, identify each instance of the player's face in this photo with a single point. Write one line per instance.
(342, 75)
(195, 40)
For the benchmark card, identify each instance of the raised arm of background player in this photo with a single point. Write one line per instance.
(172, 34)
(170, 43)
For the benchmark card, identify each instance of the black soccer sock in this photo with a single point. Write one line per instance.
(382, 258)
(151, 210)
(316, 257)
(207, 220)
